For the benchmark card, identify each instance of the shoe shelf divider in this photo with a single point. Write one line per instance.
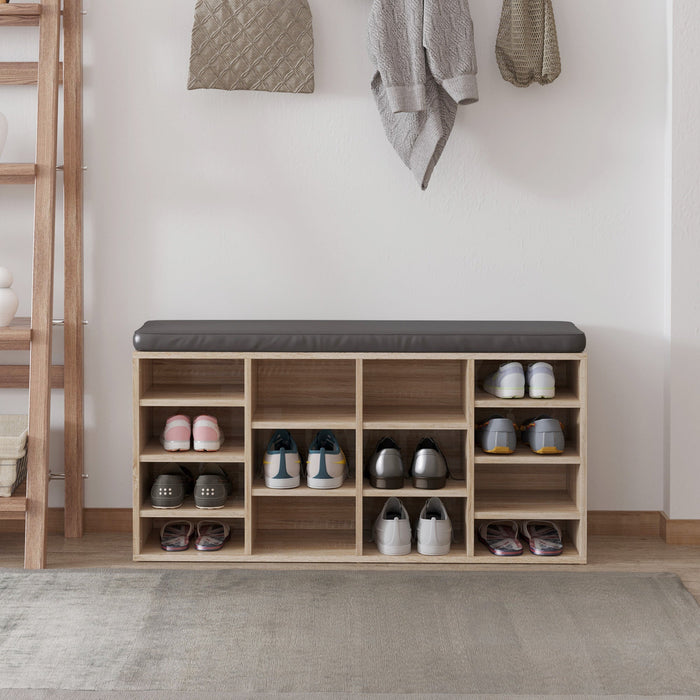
(361, 397)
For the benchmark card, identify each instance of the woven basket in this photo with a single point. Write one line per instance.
(527, 49)
(12, 473)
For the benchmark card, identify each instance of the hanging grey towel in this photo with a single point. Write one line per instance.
(252, 45)
(527, 49)
(423, 52)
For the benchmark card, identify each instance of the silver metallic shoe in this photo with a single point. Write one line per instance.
(385, 469)
(429, 468)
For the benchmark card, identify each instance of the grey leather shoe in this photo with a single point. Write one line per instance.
(212, 490)
(385, 469)
(429, 468)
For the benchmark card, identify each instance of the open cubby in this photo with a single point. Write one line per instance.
(361, 397)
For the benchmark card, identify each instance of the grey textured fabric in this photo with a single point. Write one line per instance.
(248, 631)
(359, 336)
(527, 49)
(424, 54)
(252, 45)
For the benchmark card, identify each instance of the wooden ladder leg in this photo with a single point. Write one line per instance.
(42, 289)
(73, 267)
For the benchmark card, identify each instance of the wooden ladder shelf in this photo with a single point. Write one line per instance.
(35, 333)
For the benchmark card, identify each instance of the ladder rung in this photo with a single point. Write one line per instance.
(17, 376)
(20, 14)
(17, 335)
(23, 73)
(17, 173)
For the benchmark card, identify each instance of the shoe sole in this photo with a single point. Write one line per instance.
(205, 446)
(332, 483)
(433, 550)
(166, 507)
(506, 392)
(291, 483)
(500, 450)
(544, 554)
(394, 482)
(394, 551)
(432, 482)
(548, 451)
(541, 393)
(176, 445)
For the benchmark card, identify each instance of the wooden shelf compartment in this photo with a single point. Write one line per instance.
(303, 393)
(298, 545)
(566, 378)
(347, 490)
(429, 393)
(304, 438)
(234, 508)
(570, 555)
(565, 398)
(524, 455)
(230, 420)
(21, 14)
(456, 555)
(408, 417)
(453, 443)
(193, 395)
(17, 173)
(183, 381)
(525, 505)
(231, 451)
(17, 335)
(452, 489)
(150, 550)
(14, 507)
(301, 418)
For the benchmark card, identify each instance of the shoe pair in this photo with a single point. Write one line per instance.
(179, 432)
(326, 466)
(392, 529)
(175, 535)
(429, 467)
(544, 435)
(211, 490)
(508, 381)
(502, 537)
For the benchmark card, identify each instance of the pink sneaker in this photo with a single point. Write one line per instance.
(206, 434)
(176, 434)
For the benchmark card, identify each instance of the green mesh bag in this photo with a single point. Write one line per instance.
(526, 48)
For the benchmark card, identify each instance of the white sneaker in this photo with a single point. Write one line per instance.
(507, 382)
(392, 529)
(281, 465)
(326, 467)
(434, 529)
(540, 380)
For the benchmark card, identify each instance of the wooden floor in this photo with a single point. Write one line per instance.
(604, 554)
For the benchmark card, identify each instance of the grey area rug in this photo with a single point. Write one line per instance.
(235, 633)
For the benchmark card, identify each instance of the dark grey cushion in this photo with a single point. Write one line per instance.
(359, 336)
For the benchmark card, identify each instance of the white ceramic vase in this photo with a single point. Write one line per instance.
(8, 299)
(3, 131)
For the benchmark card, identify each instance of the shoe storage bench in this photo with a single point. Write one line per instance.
(361, 396)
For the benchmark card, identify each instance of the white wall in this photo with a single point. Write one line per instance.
(684, 380)
(547, 204)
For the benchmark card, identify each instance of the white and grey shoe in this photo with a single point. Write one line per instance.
(326, 467)
(434, 528)
(507, 382)
(544, 434)
(392, 529)
(429, 467)
(540, 380)
(281, 465)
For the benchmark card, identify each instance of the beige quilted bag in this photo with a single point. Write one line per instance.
(252, 45)
(526, 48)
